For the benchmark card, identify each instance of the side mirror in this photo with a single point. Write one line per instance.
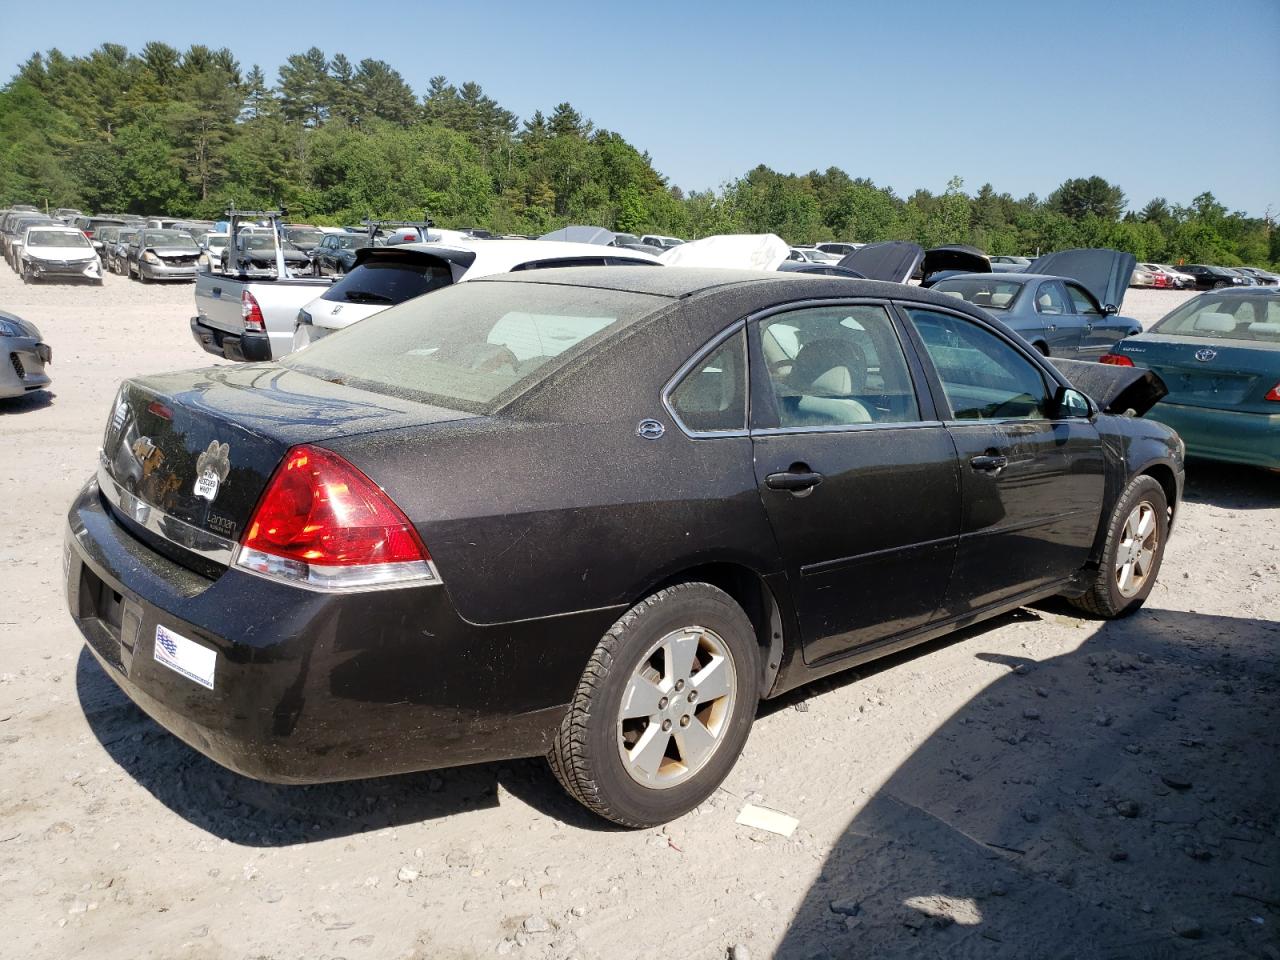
(1110, 309)
(1071, 404)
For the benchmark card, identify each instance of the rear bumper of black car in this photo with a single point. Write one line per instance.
(311, 687)
(246, 346)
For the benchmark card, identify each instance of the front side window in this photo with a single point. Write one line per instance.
(837, 366)
(983, 377)
(713, 396)
(1082, 301)
(1049, 299)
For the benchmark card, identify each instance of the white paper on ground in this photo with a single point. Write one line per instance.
(185, 656)
(762, 818)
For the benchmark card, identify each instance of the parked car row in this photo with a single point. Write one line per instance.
(1201, 276)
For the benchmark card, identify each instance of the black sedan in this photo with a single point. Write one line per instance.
(1213, 278)
(597, 514)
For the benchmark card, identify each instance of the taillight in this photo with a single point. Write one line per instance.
(1273, 394)
(321, 523)
(254, 322)
(1116, 360)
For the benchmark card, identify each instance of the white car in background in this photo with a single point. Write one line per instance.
(389, 275)
(52, 250)
(660, 242)
(813, 255)
(1183, 281)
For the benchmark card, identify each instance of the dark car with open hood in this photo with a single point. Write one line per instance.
(596, 514)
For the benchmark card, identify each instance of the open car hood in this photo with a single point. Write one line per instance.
(1119, 390)
(734, 251)
(958, 256)
(894, 260)
(1104, 273)
(575, 233)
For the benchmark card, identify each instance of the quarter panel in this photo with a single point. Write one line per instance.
(530, 519)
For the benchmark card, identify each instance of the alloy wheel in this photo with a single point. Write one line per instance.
(1135, 556)
(677, 706)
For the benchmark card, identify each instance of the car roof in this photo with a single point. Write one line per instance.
(55, 227)
(1254, 291)
(1019, 277)
(688, 282)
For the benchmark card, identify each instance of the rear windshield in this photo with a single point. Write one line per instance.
(1231, 317)
(389, 282)
(981, 292)
(56, 238)
(168, 238)
(473, 345)
(305, 237)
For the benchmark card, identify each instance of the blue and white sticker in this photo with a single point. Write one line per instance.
(185, 656)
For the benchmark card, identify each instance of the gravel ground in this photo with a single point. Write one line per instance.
(1044, 785)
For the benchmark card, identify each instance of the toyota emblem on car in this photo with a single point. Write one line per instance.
(1205, 355)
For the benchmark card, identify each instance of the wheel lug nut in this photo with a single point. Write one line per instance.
(666, 725)
(679, 684)
(693, 695)
(662, 704)
(684, 721)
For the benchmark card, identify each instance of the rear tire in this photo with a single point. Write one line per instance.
(638, 763)
(1042, 347)
(1136, 535)
(1218, 285)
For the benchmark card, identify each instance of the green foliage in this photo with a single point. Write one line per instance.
(187, 133)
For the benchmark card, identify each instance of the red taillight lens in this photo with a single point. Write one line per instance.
(1116, 360)
(252, 313)
(323, 523)
(1273, 394)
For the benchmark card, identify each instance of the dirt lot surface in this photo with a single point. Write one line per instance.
(1041, 786)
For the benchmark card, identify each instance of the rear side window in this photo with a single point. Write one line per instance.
(983, 377)
(471, 346)
(389, 282)
(713, 395)
(837, 366)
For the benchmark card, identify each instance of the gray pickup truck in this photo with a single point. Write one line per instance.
(246, 311)
(250, 318)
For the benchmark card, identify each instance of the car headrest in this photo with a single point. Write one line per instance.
(1215, 322)
(952, 293)
(1265, 331)
(1001, 299)
(829, 366)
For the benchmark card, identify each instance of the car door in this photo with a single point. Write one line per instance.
(1062, 328)
(1032, 479)
(1099, 331)
(858, 476)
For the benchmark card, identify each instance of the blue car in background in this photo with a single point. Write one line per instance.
(1065, 305)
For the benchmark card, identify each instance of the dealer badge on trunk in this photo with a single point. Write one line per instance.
(212, 468)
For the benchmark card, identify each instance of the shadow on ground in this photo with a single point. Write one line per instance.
(1116, 801)
(1232, 486)
(35, 400)
(251, 813)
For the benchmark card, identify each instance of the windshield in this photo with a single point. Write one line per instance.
(20, 226)
(989, 294)
(168, 238)
(1225, 317)
(56, 238)
(305, 237)
(625, 238)
(472, 345)
(389, 282)
(215, 241)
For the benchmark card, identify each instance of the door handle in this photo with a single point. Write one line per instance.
(799, 479)
(990, 462)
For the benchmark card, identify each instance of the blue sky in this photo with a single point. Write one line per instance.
(1165, 99)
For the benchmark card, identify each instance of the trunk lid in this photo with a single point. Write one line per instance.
(1204, 373)
(186, 455)
(1104, 273)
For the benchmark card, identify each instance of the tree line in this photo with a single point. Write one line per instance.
(188, 133)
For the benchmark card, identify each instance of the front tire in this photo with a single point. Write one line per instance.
(663, 709)
(1132, 553)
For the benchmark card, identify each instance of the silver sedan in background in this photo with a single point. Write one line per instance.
(23, 356)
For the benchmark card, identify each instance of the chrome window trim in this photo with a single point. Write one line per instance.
(847, 427)
(178, 532)
(738, 326)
